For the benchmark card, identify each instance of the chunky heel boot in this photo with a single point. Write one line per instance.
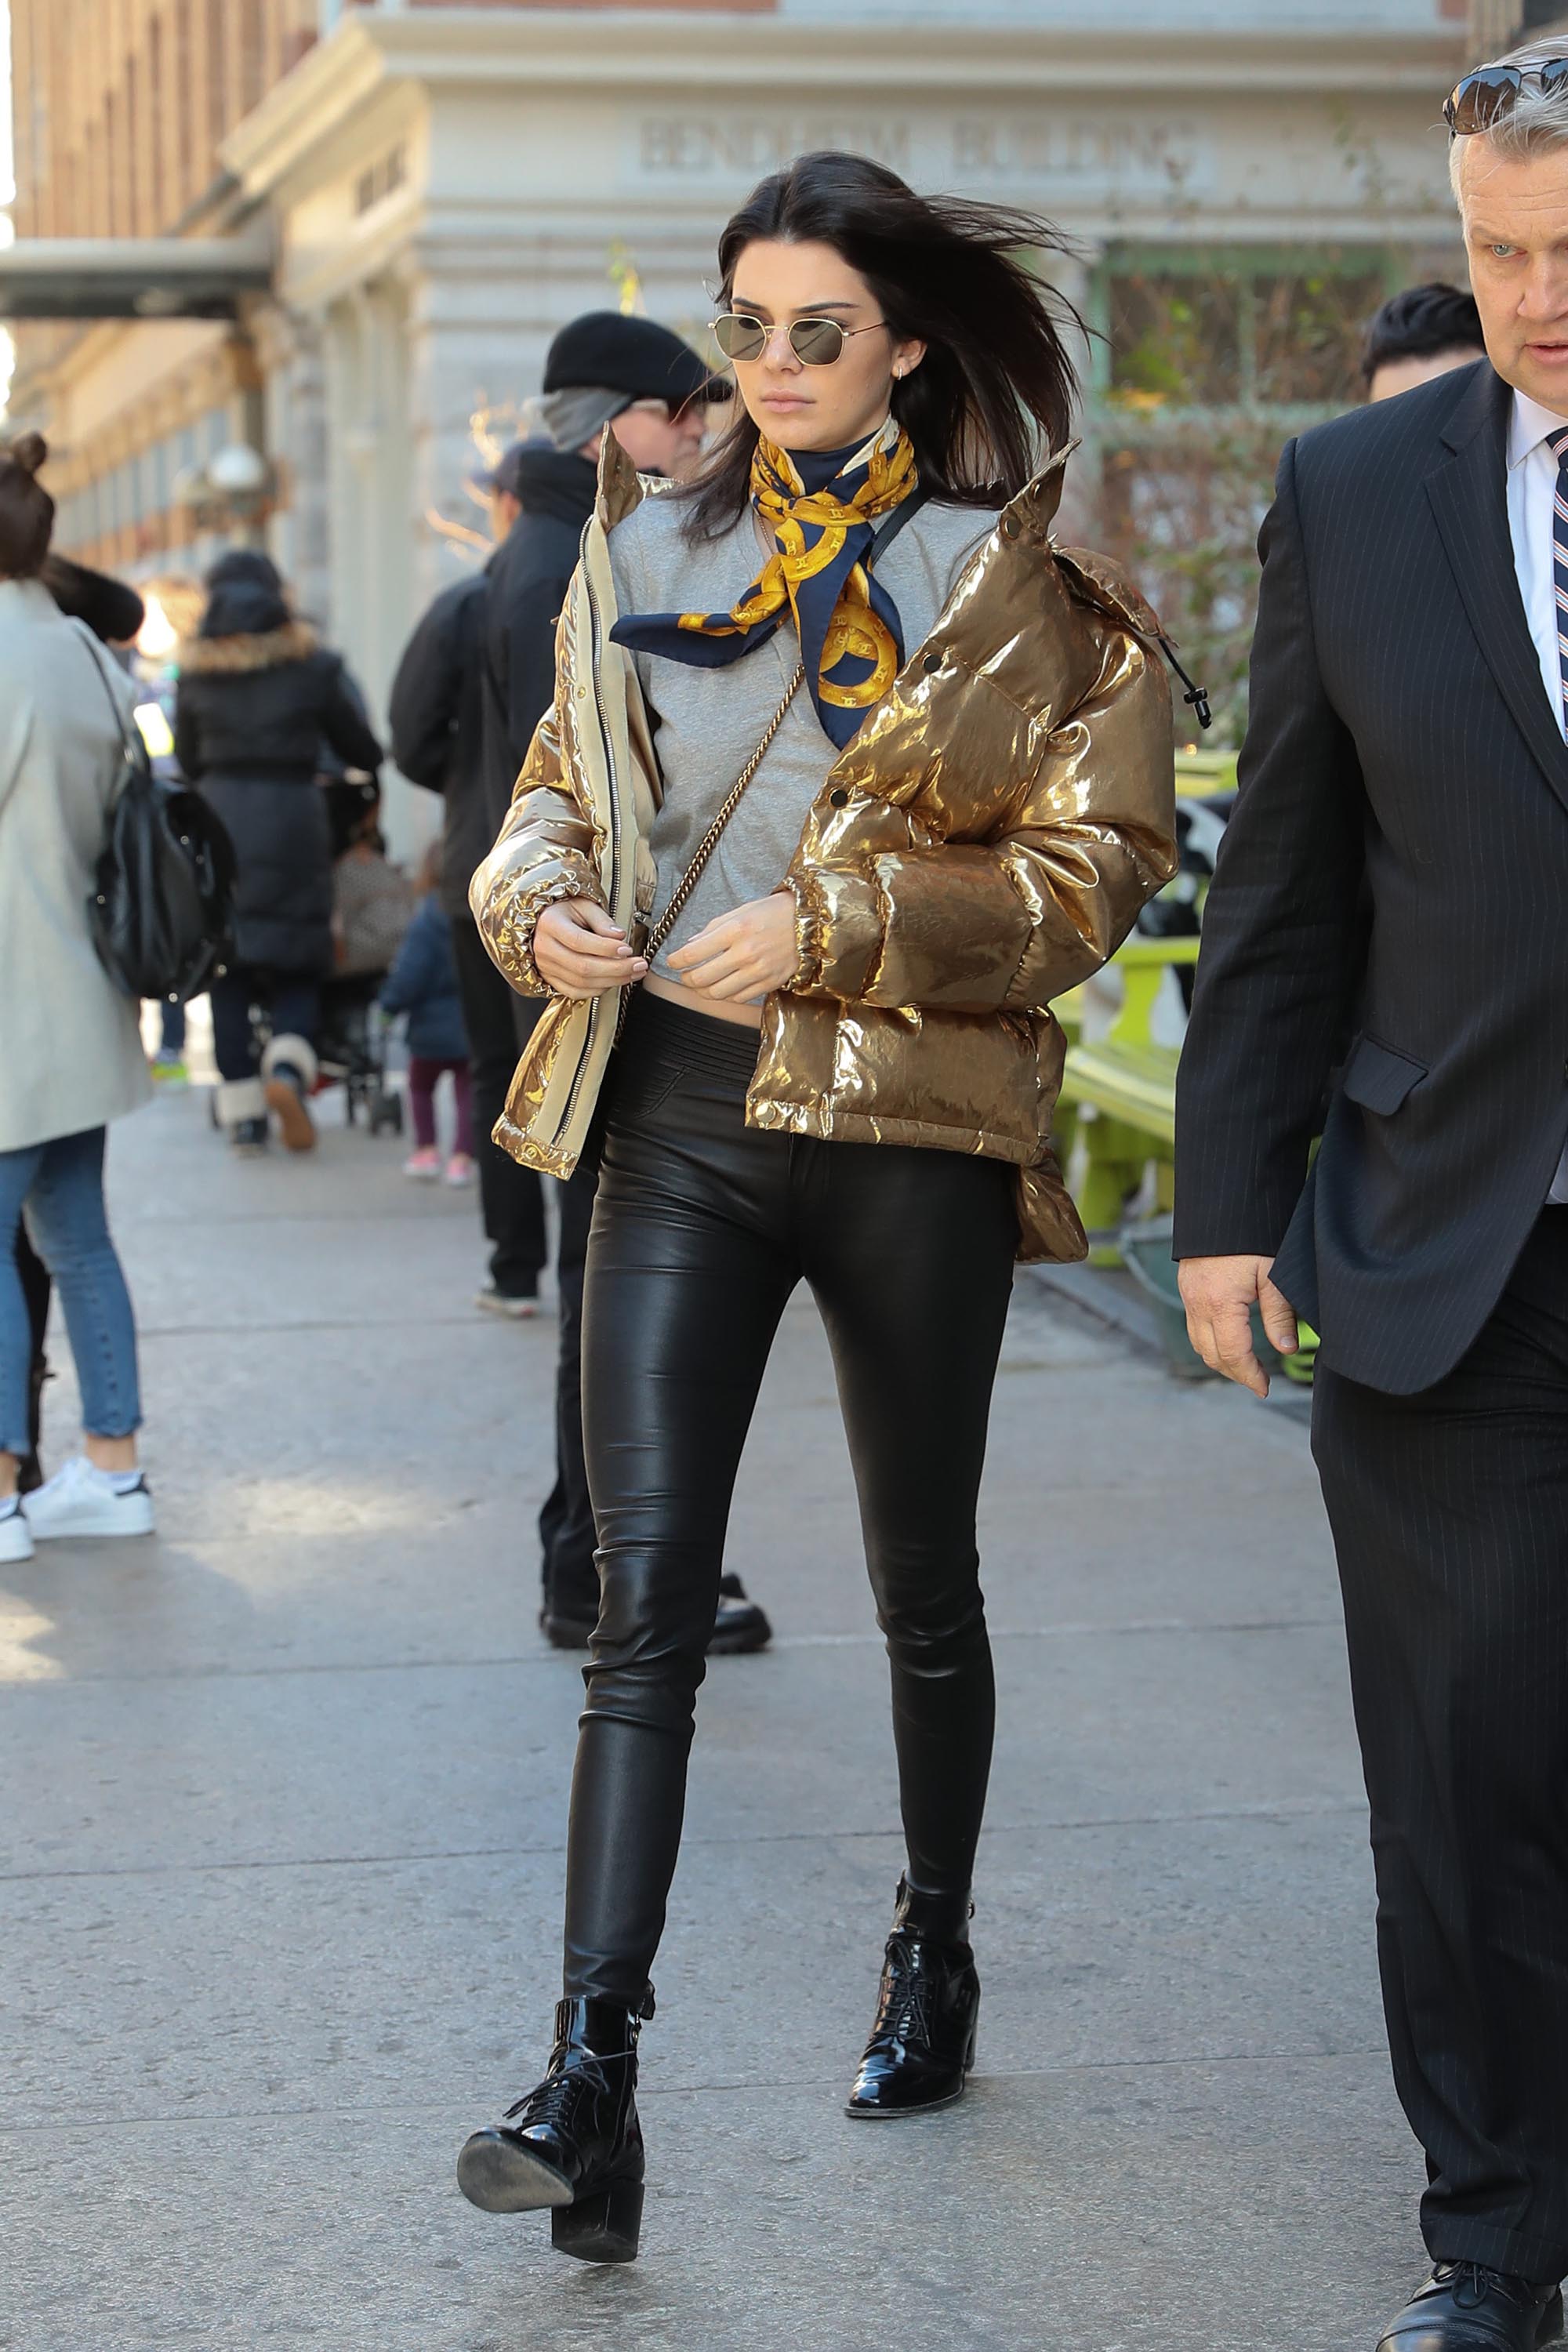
(602, 2229)
(575, 2144)
(923, 2039)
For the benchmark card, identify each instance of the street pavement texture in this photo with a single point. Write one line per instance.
(282, 1851)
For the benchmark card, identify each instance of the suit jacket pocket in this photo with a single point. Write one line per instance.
(1378, 1077)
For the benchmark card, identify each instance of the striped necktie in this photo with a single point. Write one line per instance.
(1558, 445)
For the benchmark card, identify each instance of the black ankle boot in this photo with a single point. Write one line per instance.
(922, 2041)
(575, 2144)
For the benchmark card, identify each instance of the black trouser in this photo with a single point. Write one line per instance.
(511, 1202)
(295, 1003)
(701, 1230)
(1451, 1516)
(567, 1535)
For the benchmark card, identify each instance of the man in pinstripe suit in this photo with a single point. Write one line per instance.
(1386, 955)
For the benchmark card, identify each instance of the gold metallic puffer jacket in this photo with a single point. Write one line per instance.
(982, 845)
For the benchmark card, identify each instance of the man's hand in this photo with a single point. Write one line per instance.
(580, 952)
(1218, 1295)
(741, 957)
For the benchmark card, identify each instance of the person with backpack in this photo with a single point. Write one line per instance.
(257, 697)
(114, 611)
(70, 1047)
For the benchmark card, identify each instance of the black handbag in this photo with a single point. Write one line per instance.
(161, 907)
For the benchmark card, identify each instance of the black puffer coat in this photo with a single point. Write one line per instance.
(257, 697)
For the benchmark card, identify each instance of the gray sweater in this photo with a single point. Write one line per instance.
(708, 722)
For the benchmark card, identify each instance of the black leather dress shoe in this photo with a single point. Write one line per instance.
(741, 1624)
(922, 2038)
(739, 1627)
(1465, 2307)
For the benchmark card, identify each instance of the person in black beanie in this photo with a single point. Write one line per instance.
(603, 373)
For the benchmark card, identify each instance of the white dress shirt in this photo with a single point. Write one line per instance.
(1532, 493)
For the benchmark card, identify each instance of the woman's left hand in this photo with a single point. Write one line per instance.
(741, 957)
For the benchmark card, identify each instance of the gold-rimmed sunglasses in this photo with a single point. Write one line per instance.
(815, 342)
(1481, 98)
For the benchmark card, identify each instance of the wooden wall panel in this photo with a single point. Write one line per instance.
(119, 106)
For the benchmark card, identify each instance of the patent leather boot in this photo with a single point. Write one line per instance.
(575, 2144)
(922, 2040)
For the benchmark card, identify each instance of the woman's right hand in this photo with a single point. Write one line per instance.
(578, 951)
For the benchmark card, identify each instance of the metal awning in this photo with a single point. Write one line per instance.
(133, 277)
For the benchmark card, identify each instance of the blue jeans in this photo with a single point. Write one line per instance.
(61, 1186)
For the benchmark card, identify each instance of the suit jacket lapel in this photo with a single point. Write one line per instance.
(1469, 500)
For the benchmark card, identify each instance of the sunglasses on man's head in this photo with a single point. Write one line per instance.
(1492, 92)
(815, 342)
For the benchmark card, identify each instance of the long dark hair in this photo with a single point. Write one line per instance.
(996, 379)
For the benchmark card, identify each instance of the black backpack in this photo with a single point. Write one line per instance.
(162, 907)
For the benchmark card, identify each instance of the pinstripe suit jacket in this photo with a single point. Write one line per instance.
(1387, 932)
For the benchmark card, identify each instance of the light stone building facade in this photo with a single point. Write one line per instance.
(444, 185)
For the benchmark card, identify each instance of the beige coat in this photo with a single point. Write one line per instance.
(982, 845)
(70, 1049)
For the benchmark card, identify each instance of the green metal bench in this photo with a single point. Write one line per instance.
(1118, 1104)
(1117, 1111)
(1201, 773)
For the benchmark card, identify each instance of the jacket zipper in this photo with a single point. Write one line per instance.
(576, 1086)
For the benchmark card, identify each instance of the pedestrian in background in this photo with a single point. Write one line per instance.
(437, 713)
(637, 381)
(372, 898)
(257, 695)
(1385, 935)
(114, 613)
(70, 1047)
(839, 1066)
(422, 986)
(1421, 334)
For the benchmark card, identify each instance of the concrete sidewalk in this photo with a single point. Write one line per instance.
(282, 1851)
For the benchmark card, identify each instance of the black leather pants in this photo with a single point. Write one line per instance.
(701, 1229)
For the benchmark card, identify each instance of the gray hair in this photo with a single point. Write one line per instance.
(1535, 123)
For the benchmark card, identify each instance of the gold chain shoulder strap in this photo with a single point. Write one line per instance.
(709, 840)
(650, 943)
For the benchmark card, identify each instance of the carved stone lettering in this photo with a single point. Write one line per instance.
(1116, 152)
(1088, 155)
(697, 147)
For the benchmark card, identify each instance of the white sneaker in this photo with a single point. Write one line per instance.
(15, 1536)
(500, 1302)
(82, 1501)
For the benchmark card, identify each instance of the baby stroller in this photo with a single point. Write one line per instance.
(351, 1051)
(373, 909)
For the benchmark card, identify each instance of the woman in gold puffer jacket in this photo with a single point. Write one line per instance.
(962, 797)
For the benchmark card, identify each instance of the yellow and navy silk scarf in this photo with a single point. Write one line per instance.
(821, 516)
